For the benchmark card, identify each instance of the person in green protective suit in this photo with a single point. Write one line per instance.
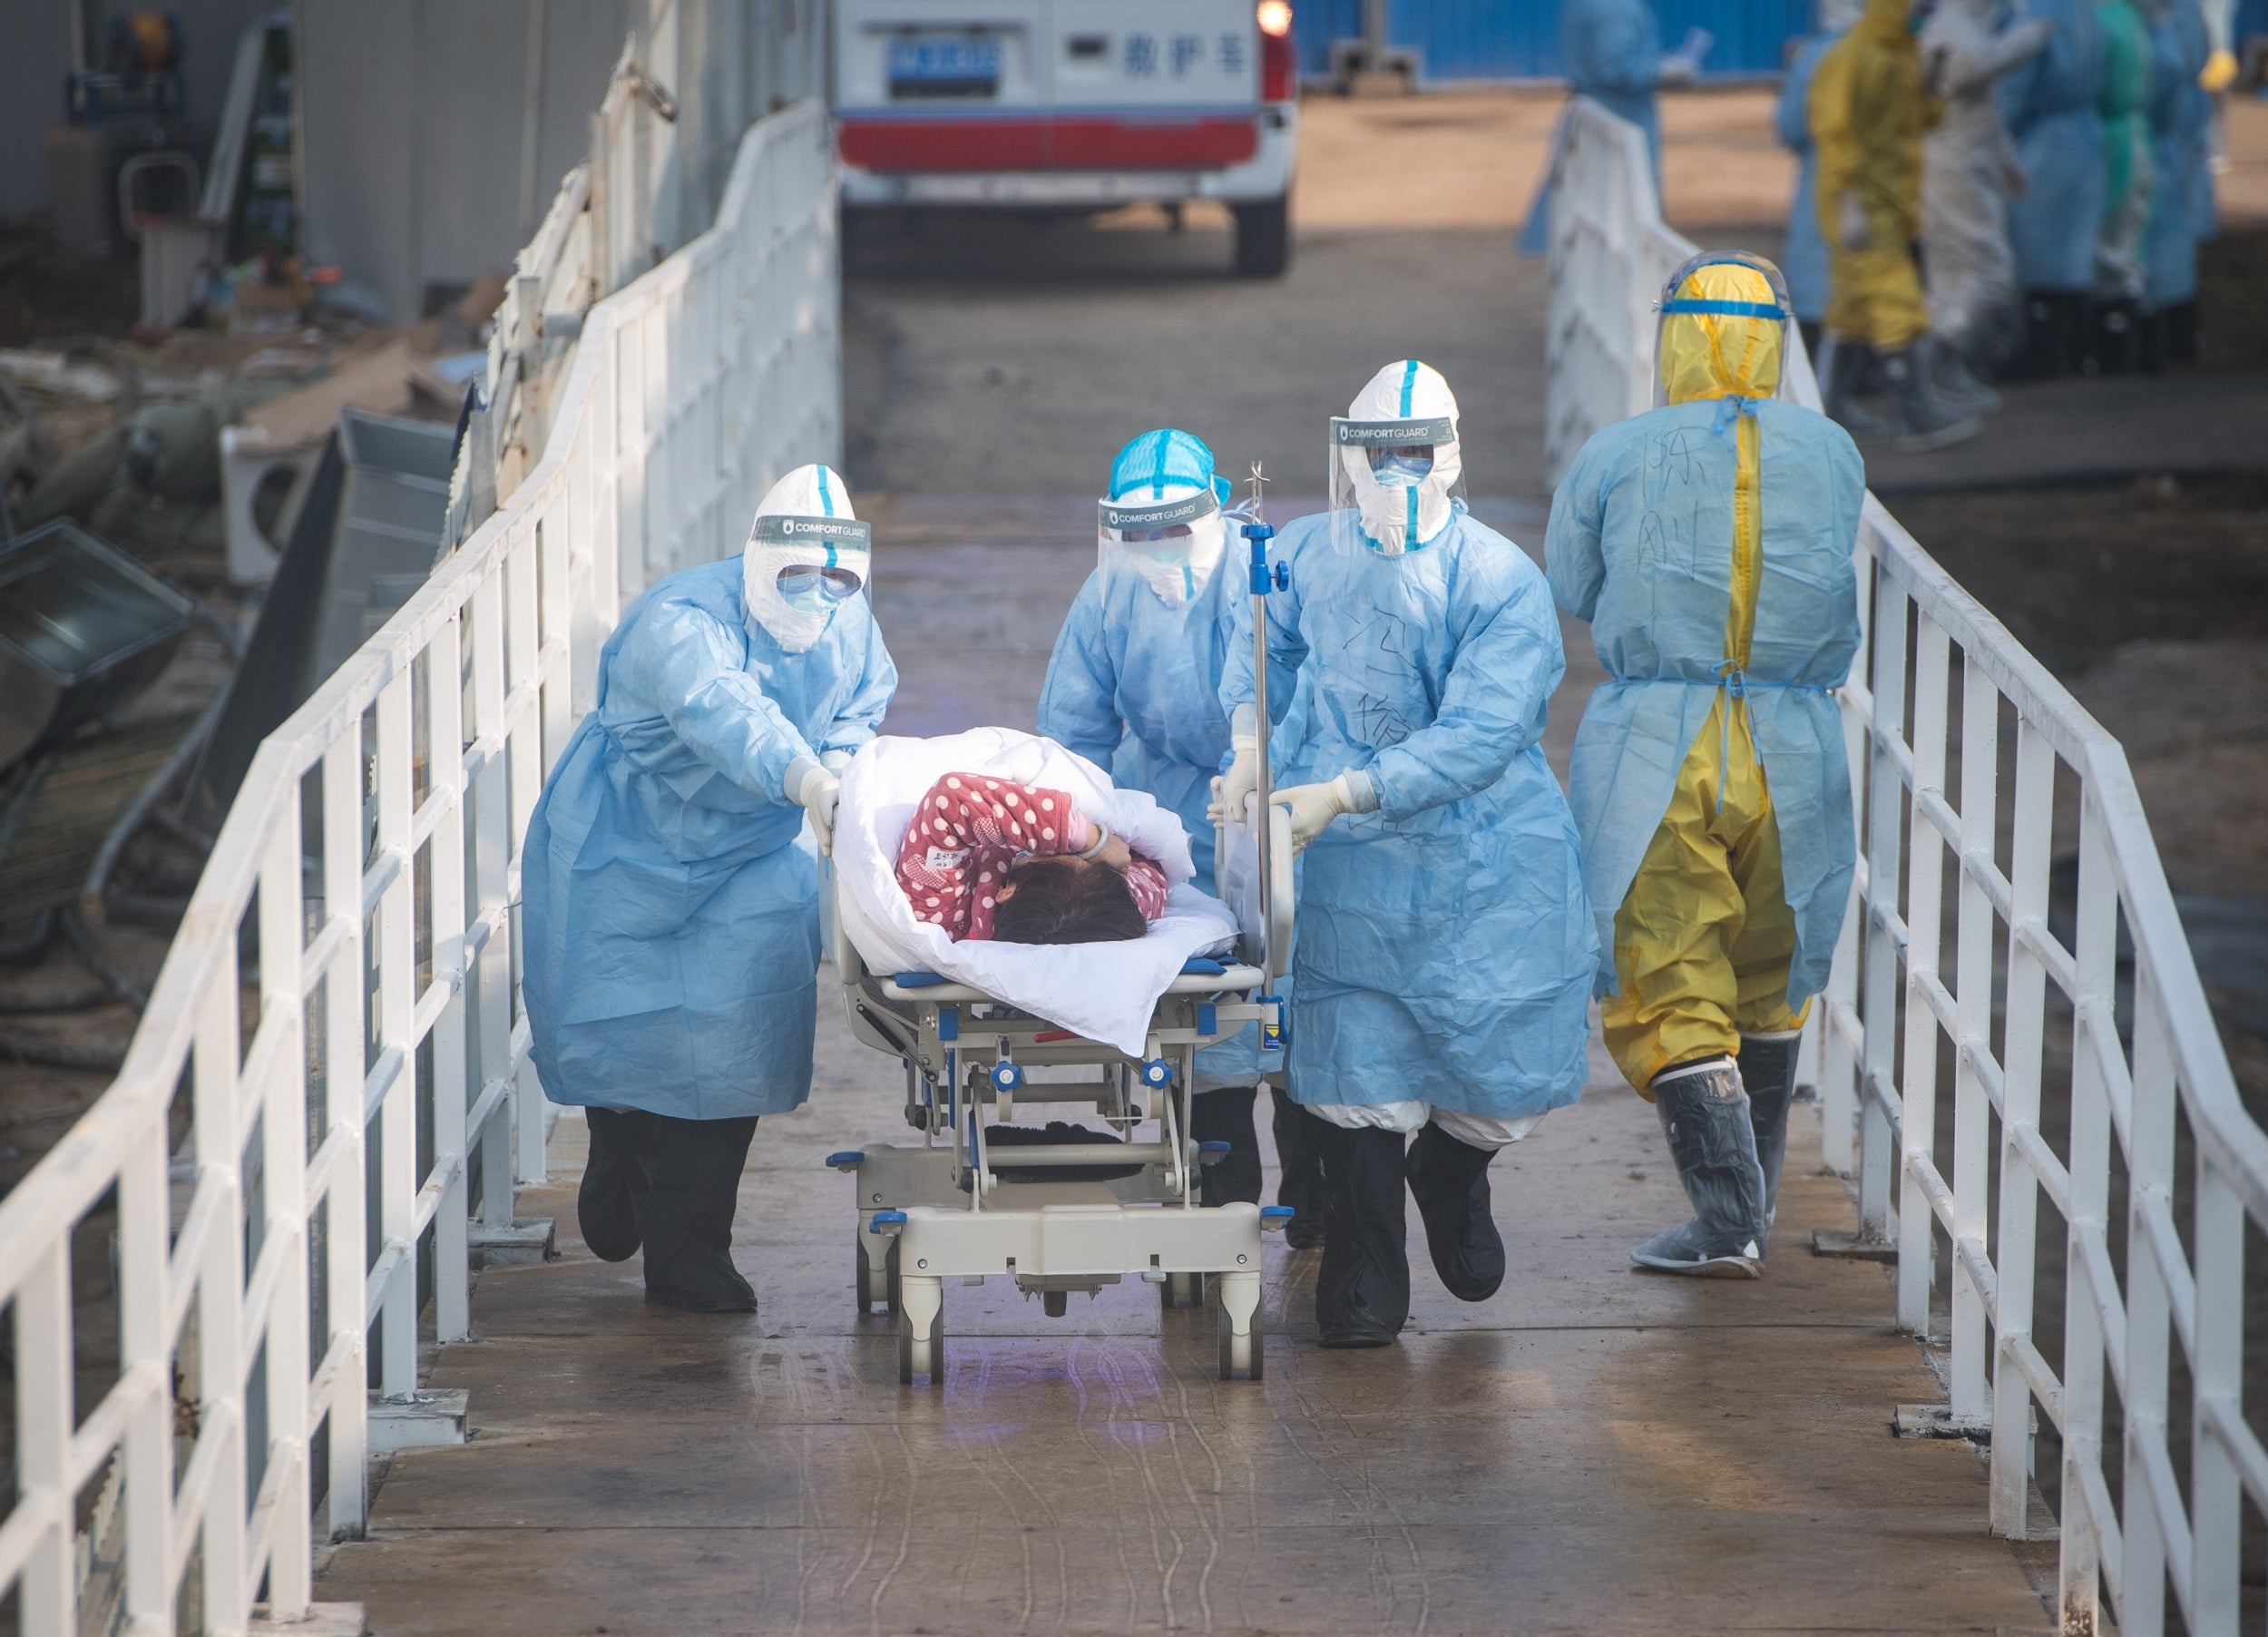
(2121, 275)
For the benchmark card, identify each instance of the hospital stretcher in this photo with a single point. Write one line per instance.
(959, 1208)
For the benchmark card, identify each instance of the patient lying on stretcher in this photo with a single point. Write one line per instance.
(987, 858)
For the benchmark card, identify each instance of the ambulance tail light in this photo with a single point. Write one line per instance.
(1279, 57)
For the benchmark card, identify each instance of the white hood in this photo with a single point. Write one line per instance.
(790, 531)
(1395, 518)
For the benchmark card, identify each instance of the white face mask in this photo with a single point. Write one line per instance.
(1396, 467)
(804, 529)
(1173, 543)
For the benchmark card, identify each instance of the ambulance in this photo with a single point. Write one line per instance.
(1048, 107)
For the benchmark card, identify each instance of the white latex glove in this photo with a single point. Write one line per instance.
(1673, 71)
(1231, 790)
(1856, 232)
(817, 791)
(1314, 805)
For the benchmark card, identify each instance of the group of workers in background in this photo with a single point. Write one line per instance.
(1457, 911)
(2010, 188)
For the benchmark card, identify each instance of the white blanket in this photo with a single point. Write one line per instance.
(1105, 992)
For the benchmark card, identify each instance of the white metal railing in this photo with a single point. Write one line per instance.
(1973, 768)
(373, 846)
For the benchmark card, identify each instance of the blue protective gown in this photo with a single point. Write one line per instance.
(2180, 116)
(1444, 953)
(2049, 106)
(1804, 256)
(1612, 51)
(670, 888)
(1134, 686)
(1641, 546)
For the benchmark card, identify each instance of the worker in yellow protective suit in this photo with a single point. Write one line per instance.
(1709, 543)
(1868, 111)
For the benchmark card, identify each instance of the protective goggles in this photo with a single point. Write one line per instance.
(804, 580)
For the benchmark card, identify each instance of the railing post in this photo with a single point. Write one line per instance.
(445, 735)
(347, 1062)
(2217, 1489)
(397, 1180)
(1972, 1015)
(48, 1591)
(1879, 1006)
(283, 1329)
(2149, 1311)
(489, 983)
(220, 1361)
(1839, 1096)
(145, 1351)
(2031, 848)
(2095, 950)
(1925, 896)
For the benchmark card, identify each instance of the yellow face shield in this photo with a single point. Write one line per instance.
(1715, 353)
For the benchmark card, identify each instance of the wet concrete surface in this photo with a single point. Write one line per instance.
(1593, 1450)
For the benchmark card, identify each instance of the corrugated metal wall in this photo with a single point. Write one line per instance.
(1520, 39)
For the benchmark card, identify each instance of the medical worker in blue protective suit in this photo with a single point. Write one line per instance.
(670, 883)
(2181, 121)
(2049, 106)
(1804, 255)
(1134, 686)
(1709, 544)
(1612, 50)
(1444, 960)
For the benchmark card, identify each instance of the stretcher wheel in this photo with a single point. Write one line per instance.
(1240, 1356)
(1055, 1303)
(1182, 1290)
(876, 1285)
(921, 1355)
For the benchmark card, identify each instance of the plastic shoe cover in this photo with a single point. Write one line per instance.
(1705, 1115)
(1956, 387)
(1926, 423)
(1678, 1250)
(1363, 1288)
(1450, 1180)
(1768, 1073)
(606, 1205)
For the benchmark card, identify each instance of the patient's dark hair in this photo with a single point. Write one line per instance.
(1061, 901)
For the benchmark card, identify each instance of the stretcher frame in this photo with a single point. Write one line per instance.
(953, 1207)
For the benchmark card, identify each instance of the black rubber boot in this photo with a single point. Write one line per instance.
(606, 1206)
(692, 1187)
(1768, 1073)
(1450, 1180)
(1847, 365)
(1363, 1288)
(1301, 1184)
(1705, 1114)
(1226, 1116)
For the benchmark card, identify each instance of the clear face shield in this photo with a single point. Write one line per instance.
(1394, 484)
(1173, 543)
(1723, 330)
(800, 569)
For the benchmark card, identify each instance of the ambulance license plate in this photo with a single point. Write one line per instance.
(945, 66)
